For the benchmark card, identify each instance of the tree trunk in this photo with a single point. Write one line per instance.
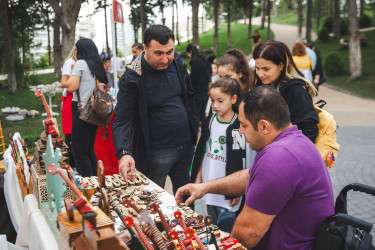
(354, 43)
(8, 42)
(216, 27)
(228, 21)
(188, 29)
(68, 25)
(195, 10)
(143, 17)
(106, 27)
(269, 19)
(275, 11)
(177, 29)
(49, 41)
(336, 20)
(318, 10)
(308, 20)
(173, 16)
(161, 6)
(300, 17)
(362, 8)
(330, 7)
(263, 14)
(57, 47)
(249, 31)
(134, 20)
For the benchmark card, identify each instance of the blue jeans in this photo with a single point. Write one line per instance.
(222, 217)
(174, 162)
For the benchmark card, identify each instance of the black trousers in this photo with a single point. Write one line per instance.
(83, 142)
(68, 142)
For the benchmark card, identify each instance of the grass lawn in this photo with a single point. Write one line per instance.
(362, 86)
(238, 35)
(29, 128)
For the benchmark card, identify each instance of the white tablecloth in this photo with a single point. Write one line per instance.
(31, 227)
(34, 231)
(12, 190)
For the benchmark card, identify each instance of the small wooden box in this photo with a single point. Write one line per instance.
(40, 185)
(68, 231)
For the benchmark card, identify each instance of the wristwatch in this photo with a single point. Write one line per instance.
(125, 152)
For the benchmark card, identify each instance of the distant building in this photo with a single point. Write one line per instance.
(84, 29)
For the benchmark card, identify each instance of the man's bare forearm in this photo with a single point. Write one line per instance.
(231, 185)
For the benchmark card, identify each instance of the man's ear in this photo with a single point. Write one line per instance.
(264, 126)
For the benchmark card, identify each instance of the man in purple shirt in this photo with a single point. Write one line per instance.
(288, 189)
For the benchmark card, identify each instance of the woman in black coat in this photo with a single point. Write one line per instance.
(200, 78)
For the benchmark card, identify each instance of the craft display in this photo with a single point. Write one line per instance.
(25, 186)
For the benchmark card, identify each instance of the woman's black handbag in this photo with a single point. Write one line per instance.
(342, 231)
(98, 109)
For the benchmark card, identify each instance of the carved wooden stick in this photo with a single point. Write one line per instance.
(154, 207)
(129, 222)
(136, 242)
(174, 235)
(178, 215)
(143, 217)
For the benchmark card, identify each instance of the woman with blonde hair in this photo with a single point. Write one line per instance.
(274, 66)
(66, 108)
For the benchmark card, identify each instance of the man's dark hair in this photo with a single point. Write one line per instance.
(159, 33)
(138, 46)
(265, 103)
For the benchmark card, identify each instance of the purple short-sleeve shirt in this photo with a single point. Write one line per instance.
(290, 180)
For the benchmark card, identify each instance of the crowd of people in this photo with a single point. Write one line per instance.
(255, 162)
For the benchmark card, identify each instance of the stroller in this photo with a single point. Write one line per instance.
(348, 232)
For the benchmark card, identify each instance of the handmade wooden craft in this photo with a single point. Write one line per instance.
(145, 220)
(136, 242)
(19, 167)
(56, 186)
(49, 123)
(178, 215)
(81, 203)
(102, 239)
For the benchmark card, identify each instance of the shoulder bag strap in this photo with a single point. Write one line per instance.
(79, 99)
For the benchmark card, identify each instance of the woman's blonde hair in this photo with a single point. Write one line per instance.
(277, 52)
(72, 53)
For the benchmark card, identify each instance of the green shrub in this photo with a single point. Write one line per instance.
(323, 35)
(343, 27)
(364, 21)
(332, 64)
(328, 24)
(30, 139)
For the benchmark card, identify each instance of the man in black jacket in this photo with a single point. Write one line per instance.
(154, 128)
